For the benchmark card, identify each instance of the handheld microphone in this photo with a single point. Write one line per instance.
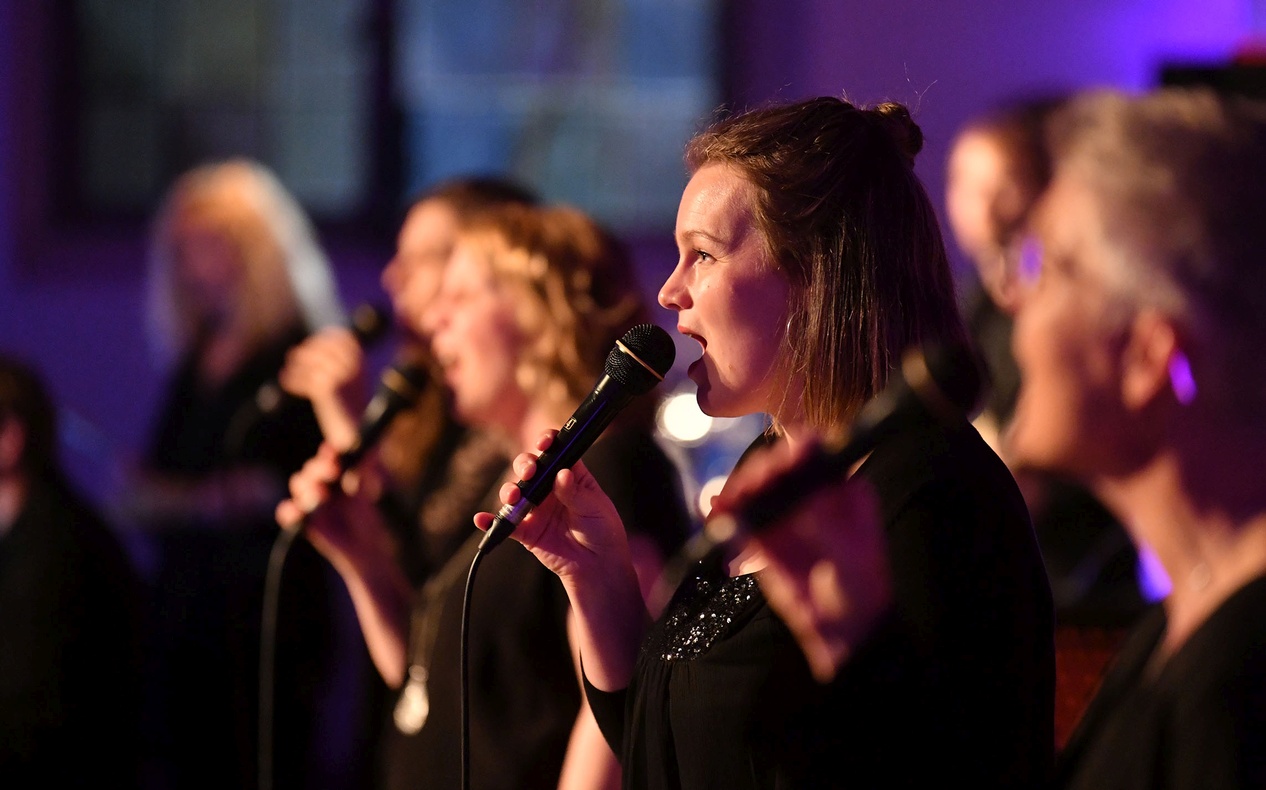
(368, 324)
(943, 382)
(398, 389)
(636, 364)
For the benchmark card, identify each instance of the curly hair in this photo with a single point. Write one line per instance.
(573, 289)
(845, 217)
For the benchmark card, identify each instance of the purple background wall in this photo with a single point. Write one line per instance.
(72, 305)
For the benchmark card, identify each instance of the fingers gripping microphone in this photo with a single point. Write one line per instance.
(941, 381)
(636, 364)
(398, 389)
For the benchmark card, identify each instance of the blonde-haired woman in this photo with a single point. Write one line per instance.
(235, 279)
(531, 302)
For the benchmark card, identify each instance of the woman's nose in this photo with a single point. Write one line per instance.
(673, 294)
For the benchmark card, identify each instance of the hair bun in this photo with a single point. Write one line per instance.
(905, 133)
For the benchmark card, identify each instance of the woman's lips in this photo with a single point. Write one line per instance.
(695, 337)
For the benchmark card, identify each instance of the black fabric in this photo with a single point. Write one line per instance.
(524, 696)
(524, 692)
(201, 430)
(432, 520)
(207, 593)
(1197, 723)
(69, 669)
(955, 687)
(1089, 559)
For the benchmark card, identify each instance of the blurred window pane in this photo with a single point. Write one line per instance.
(589, 101)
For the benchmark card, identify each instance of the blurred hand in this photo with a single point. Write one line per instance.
(827, 573)
(328, 369)
(338, 513)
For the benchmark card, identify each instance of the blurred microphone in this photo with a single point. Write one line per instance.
(636, 364)
(399, 388)
(368, 324)
(943, 382)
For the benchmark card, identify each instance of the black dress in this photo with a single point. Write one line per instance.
(955, 688)
(207, 592)
(69, 674)
(524, 692)
(1198, 723)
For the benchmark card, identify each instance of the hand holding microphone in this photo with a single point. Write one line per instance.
(327, 369)
(398, 389)
(638, 362)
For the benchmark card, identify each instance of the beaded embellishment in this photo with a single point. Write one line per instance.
(700, 614)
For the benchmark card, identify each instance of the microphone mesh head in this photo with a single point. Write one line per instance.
(648, 347)
(370, 322)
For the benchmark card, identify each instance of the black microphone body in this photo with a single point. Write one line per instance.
(636, 364)
(943, 382)
(398, 389)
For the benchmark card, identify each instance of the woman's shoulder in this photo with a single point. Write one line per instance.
(927, 457)
(1227, 653)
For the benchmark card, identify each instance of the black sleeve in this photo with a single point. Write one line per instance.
(977, 632)
(608, 710)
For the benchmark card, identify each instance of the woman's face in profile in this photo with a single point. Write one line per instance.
(476, 340)
(981, 191)
(412, 278)
(729, 295)
(1069, 340)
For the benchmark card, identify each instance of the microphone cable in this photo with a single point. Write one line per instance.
(464, 663)
(639, 361)
(399, 388)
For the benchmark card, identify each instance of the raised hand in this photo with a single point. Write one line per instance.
(827, 570)
(328, 369)
(577, 533)
(336, 510)
(576, 528)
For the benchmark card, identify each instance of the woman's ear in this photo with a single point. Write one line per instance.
(1153, 362)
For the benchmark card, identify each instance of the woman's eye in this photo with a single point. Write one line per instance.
(703, 257)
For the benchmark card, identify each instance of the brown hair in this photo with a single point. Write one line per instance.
(24, 398)
(843, 214)
(575, 294)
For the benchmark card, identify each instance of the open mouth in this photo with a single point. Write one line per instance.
(697, 338)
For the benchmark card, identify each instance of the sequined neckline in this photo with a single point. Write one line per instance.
(703, 611)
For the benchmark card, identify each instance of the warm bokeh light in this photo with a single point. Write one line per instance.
(710, 489)
(681, 420)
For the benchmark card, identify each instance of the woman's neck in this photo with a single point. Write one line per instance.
(1208, 550)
